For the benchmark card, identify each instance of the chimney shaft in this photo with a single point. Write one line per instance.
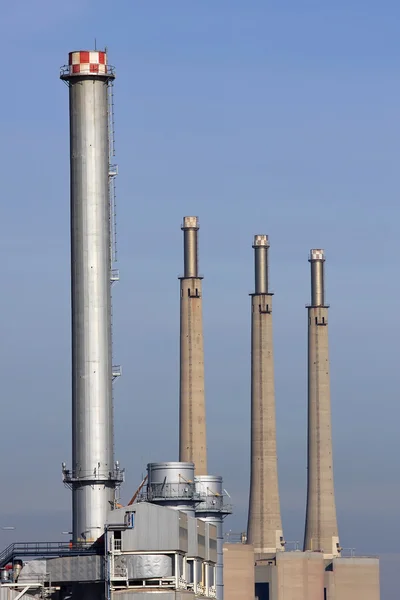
(94, 476)
(190, 228)
(192, 429)
(321, 531)
(261, 246)
(317, 259)
(264, 529)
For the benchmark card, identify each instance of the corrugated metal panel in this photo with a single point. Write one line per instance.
(156, 528)
(211, 537)
(7, 594)
(33, 570)
(201, 538)
(145, 566)
(153, 595)
(193, 550)
(75, 568)
(183, 530)
(116, 516)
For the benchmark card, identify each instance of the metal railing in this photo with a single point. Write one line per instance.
(234, 537)
(40, 549)
(172, 491)
(116, 371)
(65, 71)
(71, 476)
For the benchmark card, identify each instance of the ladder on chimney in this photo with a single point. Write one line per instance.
(112, 173)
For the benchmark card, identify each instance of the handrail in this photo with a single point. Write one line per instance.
(46, 549)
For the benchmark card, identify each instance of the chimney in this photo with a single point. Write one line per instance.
(192, 418)
(321, 531)
(94, 476)
(264, 530)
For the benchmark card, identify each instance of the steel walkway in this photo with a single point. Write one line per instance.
(49, 549)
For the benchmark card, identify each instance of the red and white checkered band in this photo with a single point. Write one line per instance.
(87, 63)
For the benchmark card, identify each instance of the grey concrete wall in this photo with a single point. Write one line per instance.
(192, 430)
(264, 529)
(294, 576)
(238, 572)
(353, 579)
(321, 532)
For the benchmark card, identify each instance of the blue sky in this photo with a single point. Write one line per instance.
(260, 117)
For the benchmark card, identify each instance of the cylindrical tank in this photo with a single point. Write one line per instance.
(16, 570)
(172, 484)
(93, 478)
(4, 576)
(209, 489)
(211, 508)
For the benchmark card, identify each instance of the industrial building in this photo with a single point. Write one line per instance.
(167, 543)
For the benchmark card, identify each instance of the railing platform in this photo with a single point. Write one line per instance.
(49, 549)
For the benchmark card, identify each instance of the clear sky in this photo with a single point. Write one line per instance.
(277, 117)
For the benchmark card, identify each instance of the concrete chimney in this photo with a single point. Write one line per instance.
(192, 430)
(264, 529)
(321, 531)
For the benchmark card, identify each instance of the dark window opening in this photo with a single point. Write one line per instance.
(262, 591)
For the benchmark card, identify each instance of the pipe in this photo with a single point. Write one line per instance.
(317, 259)
(190, 228)
(94, 475)
(261, 245)
(212, 509)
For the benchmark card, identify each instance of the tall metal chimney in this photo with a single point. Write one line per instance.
(192, 430)
(264, 528)
(321, 531)
(94, 476)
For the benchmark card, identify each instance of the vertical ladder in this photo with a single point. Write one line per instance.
(112, 173)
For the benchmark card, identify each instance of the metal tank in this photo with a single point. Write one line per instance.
(212, 509)
(4, 575)
(321, 530)
(171, 484)
(94, 476)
